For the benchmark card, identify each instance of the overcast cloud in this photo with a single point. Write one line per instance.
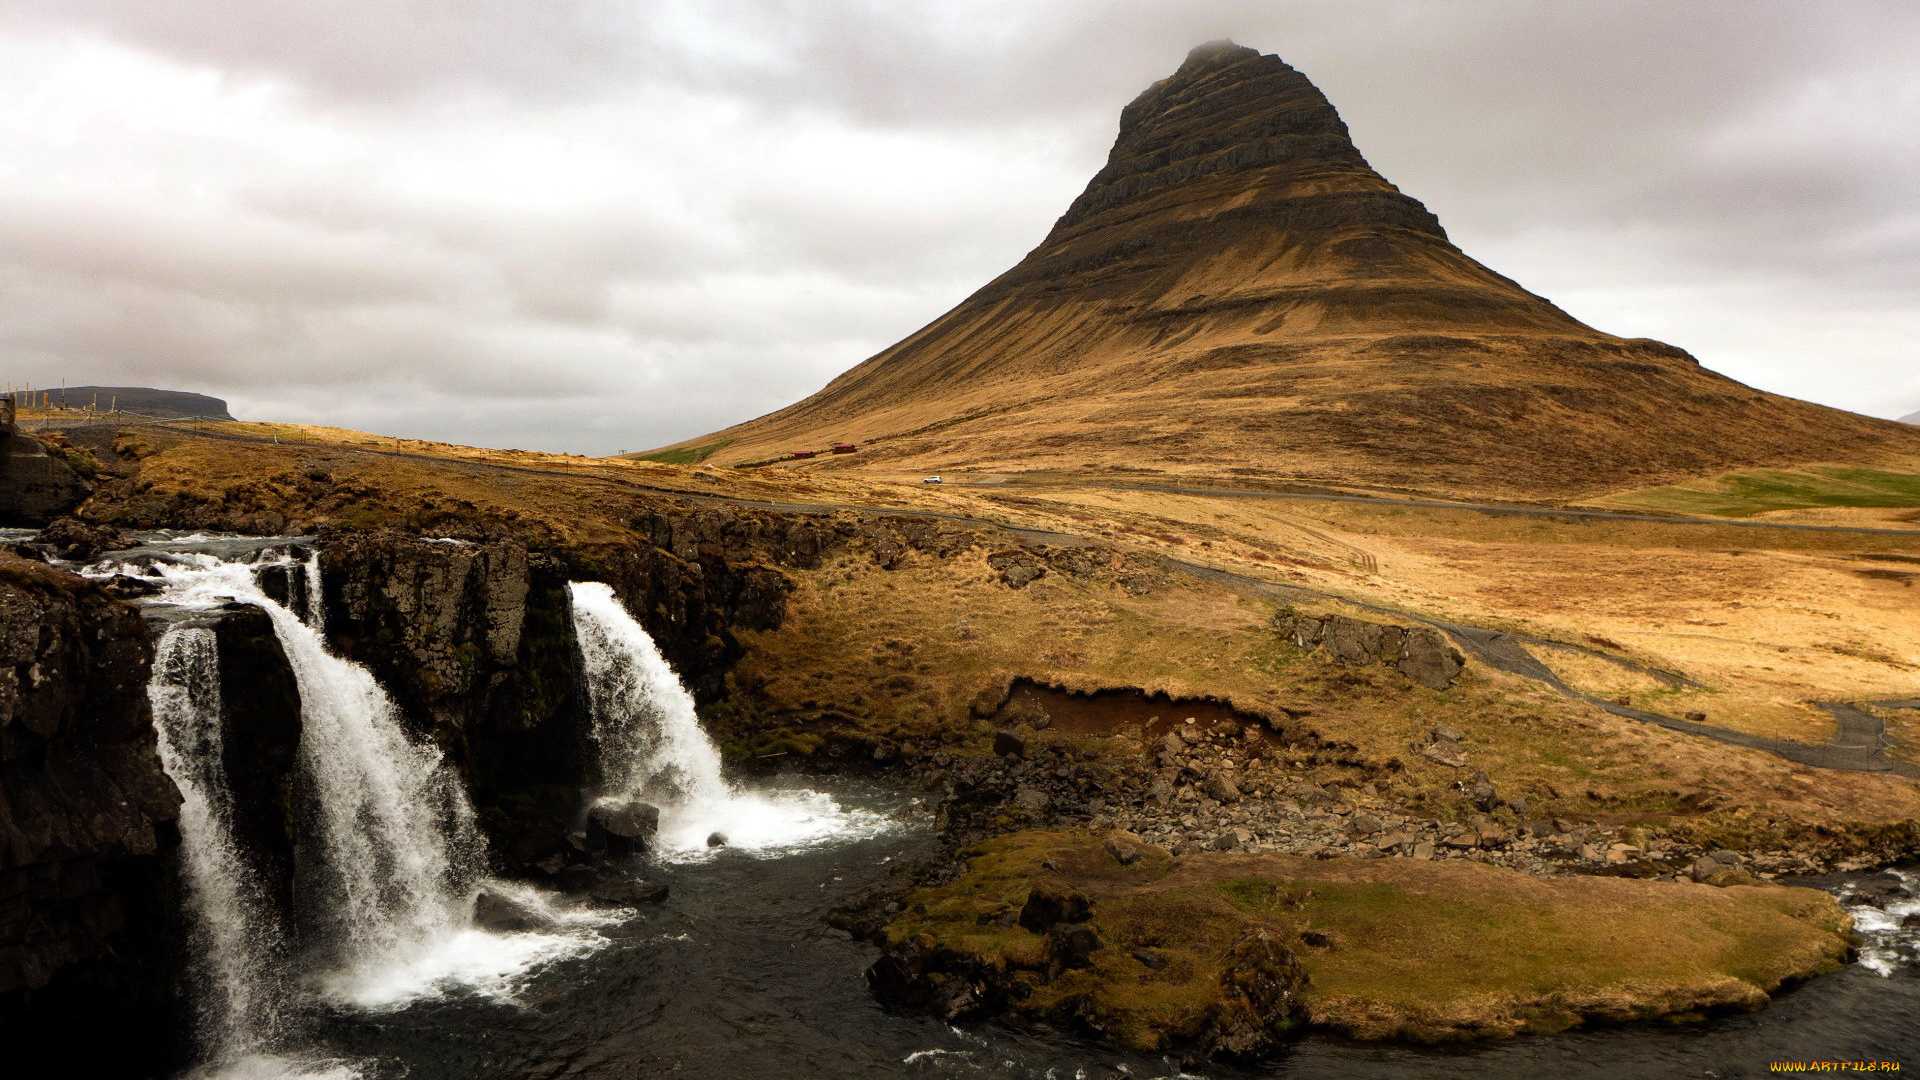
(598, 226)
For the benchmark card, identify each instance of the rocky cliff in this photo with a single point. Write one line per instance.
(35, 486)
(86, 821)
(1238, 293)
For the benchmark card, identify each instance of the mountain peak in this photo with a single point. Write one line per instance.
(1237, 292)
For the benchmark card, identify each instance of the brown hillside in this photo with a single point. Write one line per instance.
(1237, 293)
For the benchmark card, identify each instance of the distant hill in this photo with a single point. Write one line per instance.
(1237, 293)
(1911, 418)
(141, 400)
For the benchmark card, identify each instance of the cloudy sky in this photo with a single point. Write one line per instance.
(604, 225)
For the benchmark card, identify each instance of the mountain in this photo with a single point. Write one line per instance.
(1911, 418)
(1237, 293)
(140, 400)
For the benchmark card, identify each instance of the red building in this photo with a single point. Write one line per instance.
(844, 448)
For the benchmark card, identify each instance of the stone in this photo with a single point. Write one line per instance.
(74, 540)
(1010, 744)
(1428, 660)
(1446, 753)
(1151, 959)
(1124, 854)
(1423, 850)
(1316, 939)
(1364, 825)
(1219, 785)
(716, 839)
(1697, 717)
(497, 913)
(953, 999)
(1032, 800)
(1072, 945)
(1446, 733)
(621, 828)
(1225, 841)
(1051, 902)
(1264, 982)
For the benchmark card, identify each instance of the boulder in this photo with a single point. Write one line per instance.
(716, 839)
(1220, 786)
(1428, 660)
(1262, 982)
(953, 998)
(1446, 752)
(1010, 744)
(80, 541)
(497, 913)
(1033, 801)
(622, 828)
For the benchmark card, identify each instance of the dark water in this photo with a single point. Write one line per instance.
(737, 976)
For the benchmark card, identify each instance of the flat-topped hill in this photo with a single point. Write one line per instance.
(1237, 293)
(139, 400)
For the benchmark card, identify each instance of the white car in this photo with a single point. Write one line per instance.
(931, 480)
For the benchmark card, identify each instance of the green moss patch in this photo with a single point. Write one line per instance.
(1756, 491)
(1394, 948)
(686, 455)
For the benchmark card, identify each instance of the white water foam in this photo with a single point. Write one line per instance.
(398, 856)
(1886, 945)
(653, 749)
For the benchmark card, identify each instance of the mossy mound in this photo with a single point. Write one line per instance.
(1391, 948)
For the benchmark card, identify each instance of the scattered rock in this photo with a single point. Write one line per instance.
(1032, 800)
(1697, 717)
(1124, 854)
(1153, 959)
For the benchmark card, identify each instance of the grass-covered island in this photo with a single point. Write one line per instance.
(1225, 954)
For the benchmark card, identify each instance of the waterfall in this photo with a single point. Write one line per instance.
(234, 939)
(652, 748)
(394, 855)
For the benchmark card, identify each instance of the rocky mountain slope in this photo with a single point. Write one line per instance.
(1237, 293)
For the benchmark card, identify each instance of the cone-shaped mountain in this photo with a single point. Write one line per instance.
(1238, 294)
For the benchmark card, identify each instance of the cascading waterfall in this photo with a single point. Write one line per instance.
(394, 857)
(234, 938)
(652, 748)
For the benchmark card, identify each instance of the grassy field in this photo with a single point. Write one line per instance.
(1749, 492)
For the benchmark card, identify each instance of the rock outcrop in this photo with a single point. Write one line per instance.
(35, 486)
(475, 643)
(1421, 653)
(86, 822)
